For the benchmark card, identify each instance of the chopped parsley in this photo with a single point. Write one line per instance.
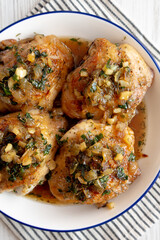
(45, 140)
(5, 88)
(121, 63)
(84, 137)
(21, 119)
(121, 174)
(17, 171)
(31, 143)
(15, 78)
(108, 65)
(93, 87)
(47, 149)
(102, 73)
(44, 54)
(132, 157)
(76, 40)
(124, 106)
(106, 192)
(8, 47)
(104, 179)
(35, 164)
(39, 84)
(28, 116)
(19, 59)
(38, 54)
(16, 86)
(98, 137)
(62, 130)
(58, 139)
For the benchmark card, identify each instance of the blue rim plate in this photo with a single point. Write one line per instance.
(150, 56)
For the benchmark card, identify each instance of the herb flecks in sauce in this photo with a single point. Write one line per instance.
(44, 189)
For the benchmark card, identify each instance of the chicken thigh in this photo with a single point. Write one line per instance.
(27, 148)
(109, 84)
(32, 72)
(96, 163)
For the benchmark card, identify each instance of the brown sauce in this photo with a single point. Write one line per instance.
(138, 124)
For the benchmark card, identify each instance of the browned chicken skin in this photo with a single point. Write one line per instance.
(27, 148)
(95, 163)
(110, 83)
(32, 72)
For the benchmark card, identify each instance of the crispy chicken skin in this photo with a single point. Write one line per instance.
(110, 83)
(32, 72)
(27, 148)
(95, 163)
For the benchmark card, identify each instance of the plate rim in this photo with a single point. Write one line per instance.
(156, 64)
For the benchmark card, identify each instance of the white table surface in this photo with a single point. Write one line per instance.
(144, 13)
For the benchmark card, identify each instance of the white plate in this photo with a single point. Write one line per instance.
(69, 218)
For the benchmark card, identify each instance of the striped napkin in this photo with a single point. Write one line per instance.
(137, 220)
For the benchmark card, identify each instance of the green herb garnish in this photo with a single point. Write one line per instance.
(108, 63)
(84, 137)
(5, 88)
(124, 106)
(121, 174)
(44, 54)
(62, 130)
(106, 192)
(21, 119)
(93, 87)
(47, 149)
(35, 164)
(28, 116)
(102, 73)
(31, 143)
(98, 137)
(16, 86)
(58, 139)
(132, 157)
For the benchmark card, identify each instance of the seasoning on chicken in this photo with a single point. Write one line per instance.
(32, 72)
(95, 163)
(27, 148)
(109, 84)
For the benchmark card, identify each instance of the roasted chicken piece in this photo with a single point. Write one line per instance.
(110, 83)
(96, 163)
(32, 72)
(27, 148)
